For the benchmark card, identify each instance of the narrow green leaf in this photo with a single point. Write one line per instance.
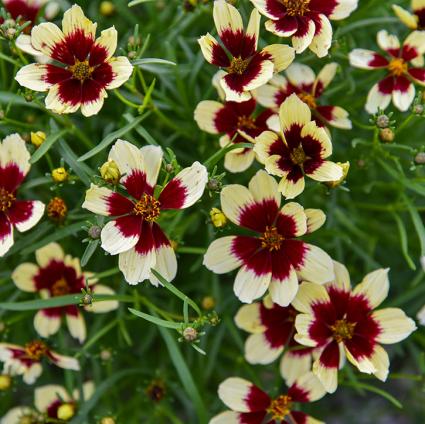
(417, 222)
(136, 2)
(216, 157)
(47, 144)
(30, 305)
(403, 241)
(141, 131)
(70, 158)
(153, 60)
(88, 253)
(155, 320)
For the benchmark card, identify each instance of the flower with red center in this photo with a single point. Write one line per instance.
(57, 274)
(302, 81)
(132, 231)
(26, 10)
(272, 328)
(26, 360)
(401, 65)
(306, 21)
(414, 20)
(300, 149)
(50, 401)
(21, 214)
(246, 67)
(341, 321)
(271, 258)
(83, 67)
(250, 405)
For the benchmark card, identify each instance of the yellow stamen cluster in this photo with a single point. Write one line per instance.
(238, 66)
(397, 67)
(342, 330)
(35, 350)
(280, 407)
(296, 7)
(246, 122)
(6, 199)
(298, 155)
(271, 239)
(148, 208)
(57, 209)
(308, 99)
(66, 411)
(81, 70)
(60, 287)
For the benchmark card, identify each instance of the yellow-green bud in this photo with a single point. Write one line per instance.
(107, 8)
(5, 381)
(386, 135)
(37, 138)
(208, 303)
(110, 172)
(66, 411)
(60, 175)
(218, 218)
(107, 420)
(345, 166)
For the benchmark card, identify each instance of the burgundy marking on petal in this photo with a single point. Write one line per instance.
(159, 237)
(5, 226)
(20, 211)
(238, 43)
(11, 177)
(248, 249)
(90, 90)
(420, 13)
(52, 409)
(227, 119)
(311, 165)
(326, 7)
(295, 174)
(295, 251)
(72, 311)
(312, 147)
(378, 61)
(299, 417)
(293, 136)
(173, 195)
(98, 55)
(28, 11)
(286, 24)
(136, 184)
(324, 317)
(386, 85)
(395, 52)
(70, 91)
(76, 45)
(360, 347)
(252, 417)
(418, 73)
(326, 112)
(279, 323)
(286, 225)
(303, 25)
(281, 266)
(118, 205)
(298, 394)
(219, 56)
(409, 53)
(329, 358)
(257, 216)
(319, 89)
(402, 84)
(256, 399)
(103, 74)
(340, 300)
(129, 226)
(52, 312)
(56, 74)
(146, 242)
(282, 94)
(22, 357)
(298, 350)
(275, 8)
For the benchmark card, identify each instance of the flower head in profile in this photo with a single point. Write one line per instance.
(300, 150)
(14, 213)
(342, 322)
(403, 65)
(50, 402)
(82, 67)
(306, 21)
(269, 256)
(133, 231)
(246, 68)
(250, 404)
(416, 18)
(301, 80)
(27, 360)
(272, 328)
(57, 274)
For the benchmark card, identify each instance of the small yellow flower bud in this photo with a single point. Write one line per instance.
(60, 175)
(37, 138)
(107, 420)
(5, 381)
(345, 168)
(386, 135)
(110, 172)
(208, 303)
(66, 411)
(218, 218)
(107, 8)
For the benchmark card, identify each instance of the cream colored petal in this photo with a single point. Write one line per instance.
(49, 252)
(23, 276)
(294, 111)
(121, 70)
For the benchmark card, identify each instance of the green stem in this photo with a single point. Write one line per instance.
(125, 101)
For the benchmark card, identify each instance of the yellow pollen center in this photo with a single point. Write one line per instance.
(342, 330)
(296, 7)
(6, 199)
(308, 99)
(148, 208)
(271, 239)
(298, 156)
(397, 67)
(246, 122)
(81, 70)
(60, 287)
(35, 350)
(280, 407)
(238, 66)
(57, 209)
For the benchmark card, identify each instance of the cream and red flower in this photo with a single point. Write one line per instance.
(49, 402)
(133, 232)
(272, 328)
(14, 213)
(269, 257)
(83, 69)
(27, 360)
(342, 322)
(246, 67)
(300, 149)
(400, 63)
(57, 274)
(302, 81)
(26, 10)
(306, 21)
(251, 405)
(414, 20)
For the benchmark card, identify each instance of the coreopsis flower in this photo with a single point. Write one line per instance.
(302, 81)
(414, 19)
(25, 10)
(83, 69)
(343, 322)
(51, 402)
(306, 21)
(57, 274)
(14, 213)
(26, 360)
(246, 68)
(272, 328)
(250, 404)
(300, 149)
(132, 231)
(272, 259)
(400, 63)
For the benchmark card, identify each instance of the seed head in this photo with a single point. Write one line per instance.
(190, 334)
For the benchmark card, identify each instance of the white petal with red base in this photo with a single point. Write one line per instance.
(31, 374)
(121, 70)
(220, 258)
(343, 9)
(233, 391)
(264, 187)
(381, 362)
(300, 75)
(205, 114)
(300, 43)
(342, 277)
(283, 291)
(249, 286)
(311, 384)
(309, 294)
(294, 111)
(328, 376)
(266, 96)
(13, 150)
(281, 55)
(152, 161)
(416, 39)
(403, 99)
(374, 287)
(93, 107)
(23, 276)
(326, 75)
(45, 396)
(387, 41)
(74, 20)
(293, 366)
(296, 212)
(136, 267)
(108, 41)
(96, 200)
(207, 43)
(127, 157)
(263, 143)
(394, 325)
(327, 171)
(322, 41)
(248, 318)
(302, 323)
(33, 77)
(48, 253)
(259, 351)
(317, 266)
(226, 17)
(289, 188)
(315, 219)
(314, 131)
(65, 362)
(253, 28)
(238, 162)
(234, 198)
(45, 37)
(37, 211)
(76, 326)
(46, 324)
(104, 305)
(114, 241)
(376, 99)
(166, 264)
(226, 417)
(363, 59)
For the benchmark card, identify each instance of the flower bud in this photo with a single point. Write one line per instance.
(107, 8)
(386, 135)
(10, 33)
(105, 355)
(59, 175)
(87, 299)
(420, 158)
(382, 121)
(213, 184)
(57, 209)
(107, 420)
(37, 138)
(418, 109)
(190, 334)
(169, 168)
(66, 411)
(94, 232)
(218, 218)
(110, 172)
(5, 381)
(208, 303)
(156, 390)
(345, 168)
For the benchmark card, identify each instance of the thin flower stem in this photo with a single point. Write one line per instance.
(192, 250)
(405, 123)
(125, 101)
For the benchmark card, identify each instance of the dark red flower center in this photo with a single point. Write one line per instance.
(397, 67)
(60, 287)
(238, 65)
(81, 70)
(296, 7)
(271, 239)
(148, 208)
(6, 199)
(36, 349)
(298, 155)
(308, 99)
(342, 330)
(246, 122)
(280, 407)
